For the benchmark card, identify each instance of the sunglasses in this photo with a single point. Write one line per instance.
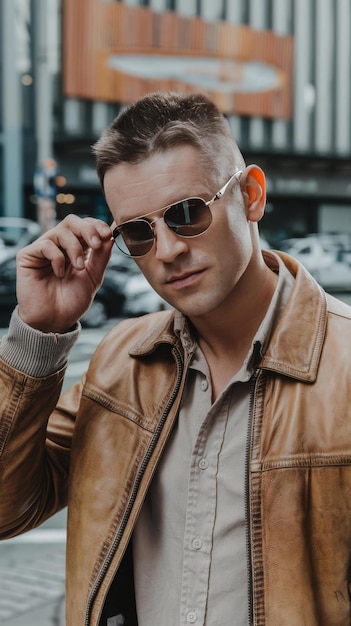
(187, 218)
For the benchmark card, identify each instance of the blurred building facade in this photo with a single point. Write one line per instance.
(52, 107)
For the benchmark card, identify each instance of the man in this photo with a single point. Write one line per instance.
(206, 455)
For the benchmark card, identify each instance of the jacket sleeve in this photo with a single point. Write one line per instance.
(35, 444)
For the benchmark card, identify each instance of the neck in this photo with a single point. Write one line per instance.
(231, 327)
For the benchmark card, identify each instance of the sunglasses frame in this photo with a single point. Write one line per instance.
(163, 210)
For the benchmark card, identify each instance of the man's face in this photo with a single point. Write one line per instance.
(198, 275)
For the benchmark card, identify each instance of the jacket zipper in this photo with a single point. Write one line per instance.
(247, 498)
(132, 499)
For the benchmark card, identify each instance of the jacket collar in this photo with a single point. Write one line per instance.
(160, 331)
(296, 344)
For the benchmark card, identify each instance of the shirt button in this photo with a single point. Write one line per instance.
(204, 385)
(203, 464)
(197, 543)
(191, 617)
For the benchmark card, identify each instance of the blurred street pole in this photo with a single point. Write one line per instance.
(46, 205)
(12, 113)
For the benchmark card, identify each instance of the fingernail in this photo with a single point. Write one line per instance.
(80, 262)
(95, 240)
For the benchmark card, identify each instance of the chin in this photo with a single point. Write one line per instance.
(195, 309)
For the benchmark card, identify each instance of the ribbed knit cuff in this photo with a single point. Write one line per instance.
(35, 353)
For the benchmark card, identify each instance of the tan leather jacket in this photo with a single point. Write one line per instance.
(107, 435)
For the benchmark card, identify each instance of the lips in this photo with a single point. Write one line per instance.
(184, 279)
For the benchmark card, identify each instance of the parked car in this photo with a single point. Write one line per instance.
(125, 292)
(15, 233)
(140, 297)
(108, 302)
(8, 298)
(264, 245)
(323, 260)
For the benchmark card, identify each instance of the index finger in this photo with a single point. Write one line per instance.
(75, 235)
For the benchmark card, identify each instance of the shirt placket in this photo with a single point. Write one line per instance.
(201, 508)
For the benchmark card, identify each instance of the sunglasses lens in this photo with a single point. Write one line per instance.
(134, 238)
(188, 218)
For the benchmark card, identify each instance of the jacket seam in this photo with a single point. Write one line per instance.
(255, 495)
(300, 461)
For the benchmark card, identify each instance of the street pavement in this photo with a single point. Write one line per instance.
(32, 566)
(32, 576)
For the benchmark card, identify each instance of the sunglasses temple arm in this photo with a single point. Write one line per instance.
(222, 191)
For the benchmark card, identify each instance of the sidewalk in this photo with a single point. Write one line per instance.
(53, 614)
(32, 584)
(32, 576)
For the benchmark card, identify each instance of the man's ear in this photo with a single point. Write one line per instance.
(253, 187)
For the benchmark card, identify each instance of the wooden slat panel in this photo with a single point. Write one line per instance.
(96, 30)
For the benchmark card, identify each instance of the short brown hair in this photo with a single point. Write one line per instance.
(160, 121)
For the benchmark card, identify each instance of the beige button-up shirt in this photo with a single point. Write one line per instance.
(189, 544)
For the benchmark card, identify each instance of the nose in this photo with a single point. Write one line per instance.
(167, 244)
